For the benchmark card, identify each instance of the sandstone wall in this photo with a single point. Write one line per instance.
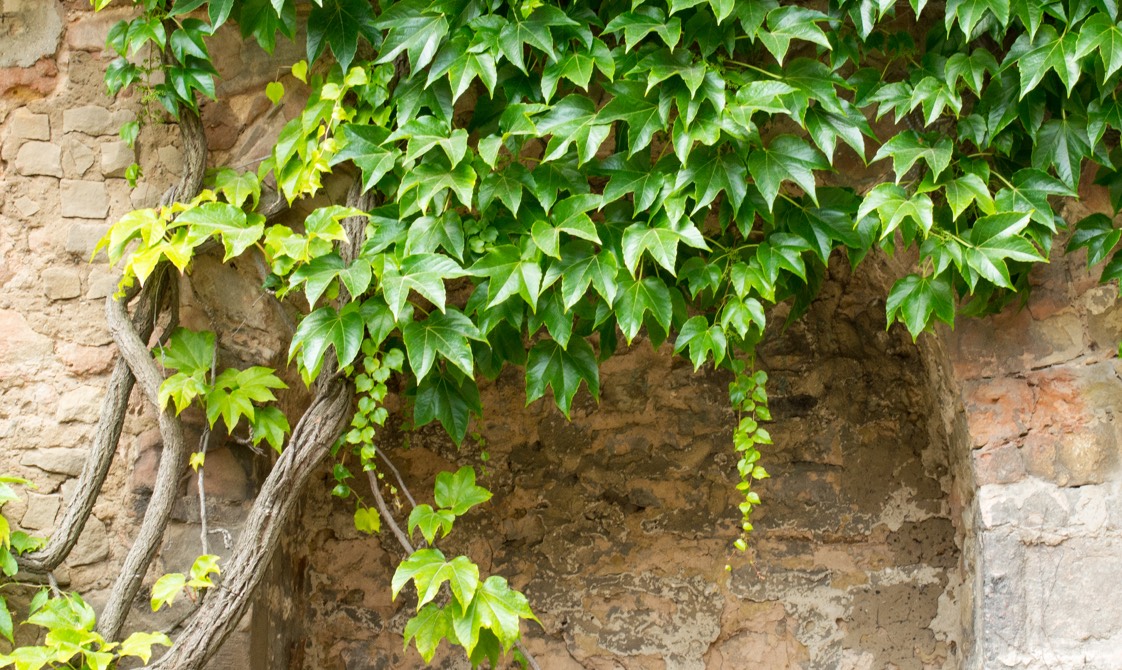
(941, 506)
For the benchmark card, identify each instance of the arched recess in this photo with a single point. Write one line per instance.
(618, 524)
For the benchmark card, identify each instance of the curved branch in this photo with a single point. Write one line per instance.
(224, 606)
(105, 441)
(134, 350)
(173, 460)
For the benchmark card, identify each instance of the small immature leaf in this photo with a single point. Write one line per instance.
(458, 492)
(431, 522)
(167, 589)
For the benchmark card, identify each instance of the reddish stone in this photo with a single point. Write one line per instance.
(998, 410)
(28, 83)
(1000, 464)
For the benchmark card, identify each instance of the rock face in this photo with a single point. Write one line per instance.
(618, 525)
(942, 506)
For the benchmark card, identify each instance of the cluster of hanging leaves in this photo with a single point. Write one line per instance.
(553, 177)
(594, 169)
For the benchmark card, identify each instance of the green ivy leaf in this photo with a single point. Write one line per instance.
(446, 334)
(448, 398)
(637, 297)
(338, 24)
(363, 147)
(907, 148)
(496, 607)
(787, 159)
(1097, 234)
(431, 522)
(914, 300)
(573, 120)
(188, 351)
(702, 339)
(327, 327)
(458, 492)
(423, 273)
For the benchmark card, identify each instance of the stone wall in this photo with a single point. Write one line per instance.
(946, 505)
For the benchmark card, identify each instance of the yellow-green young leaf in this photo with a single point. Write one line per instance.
(140, 645)
(237, 230)
(5, 621)
(300, 70)
(274, 91)
(205, 565)
(167, 589)
(367, 520)
(198, 459)
(238, 188)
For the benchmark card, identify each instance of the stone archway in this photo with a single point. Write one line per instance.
(618, 524)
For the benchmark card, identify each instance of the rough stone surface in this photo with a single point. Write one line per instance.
(617, 525)
(92, 546)
(62, 460)
(39, 158)
(41, 511)
(31, 30)
(62, 283)
(89, 119)
(116, 157)
(28, 126)
(84, 199)
(80, 404)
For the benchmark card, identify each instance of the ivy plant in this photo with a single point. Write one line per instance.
(552, 180)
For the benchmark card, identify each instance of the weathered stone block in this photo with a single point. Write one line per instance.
(18, 342)
(61, 460)
(116, 157)
(41, 511)
(90, 119)
(81, 404)
(92, 545)
(77, 158)
(61, 283)
(84, 360)
(39, 158)
(84, 199)
(26, 207)
(82, 239)
(31, 30)
(27, 126)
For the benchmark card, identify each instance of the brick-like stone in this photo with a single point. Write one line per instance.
(82, 239)
(77, 158)
(92, 545)
(84, 360)
(26, 207)
(116, 157)
(41, 511)
(100, 284)
(84, 199)
(81, 404)
(29, 31)
(61, 460)
(39, 158)
(90, 119)
(28, 126)
(61, 283)
(18, 342)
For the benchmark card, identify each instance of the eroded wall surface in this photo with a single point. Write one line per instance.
(951, 505)
(618, 525)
